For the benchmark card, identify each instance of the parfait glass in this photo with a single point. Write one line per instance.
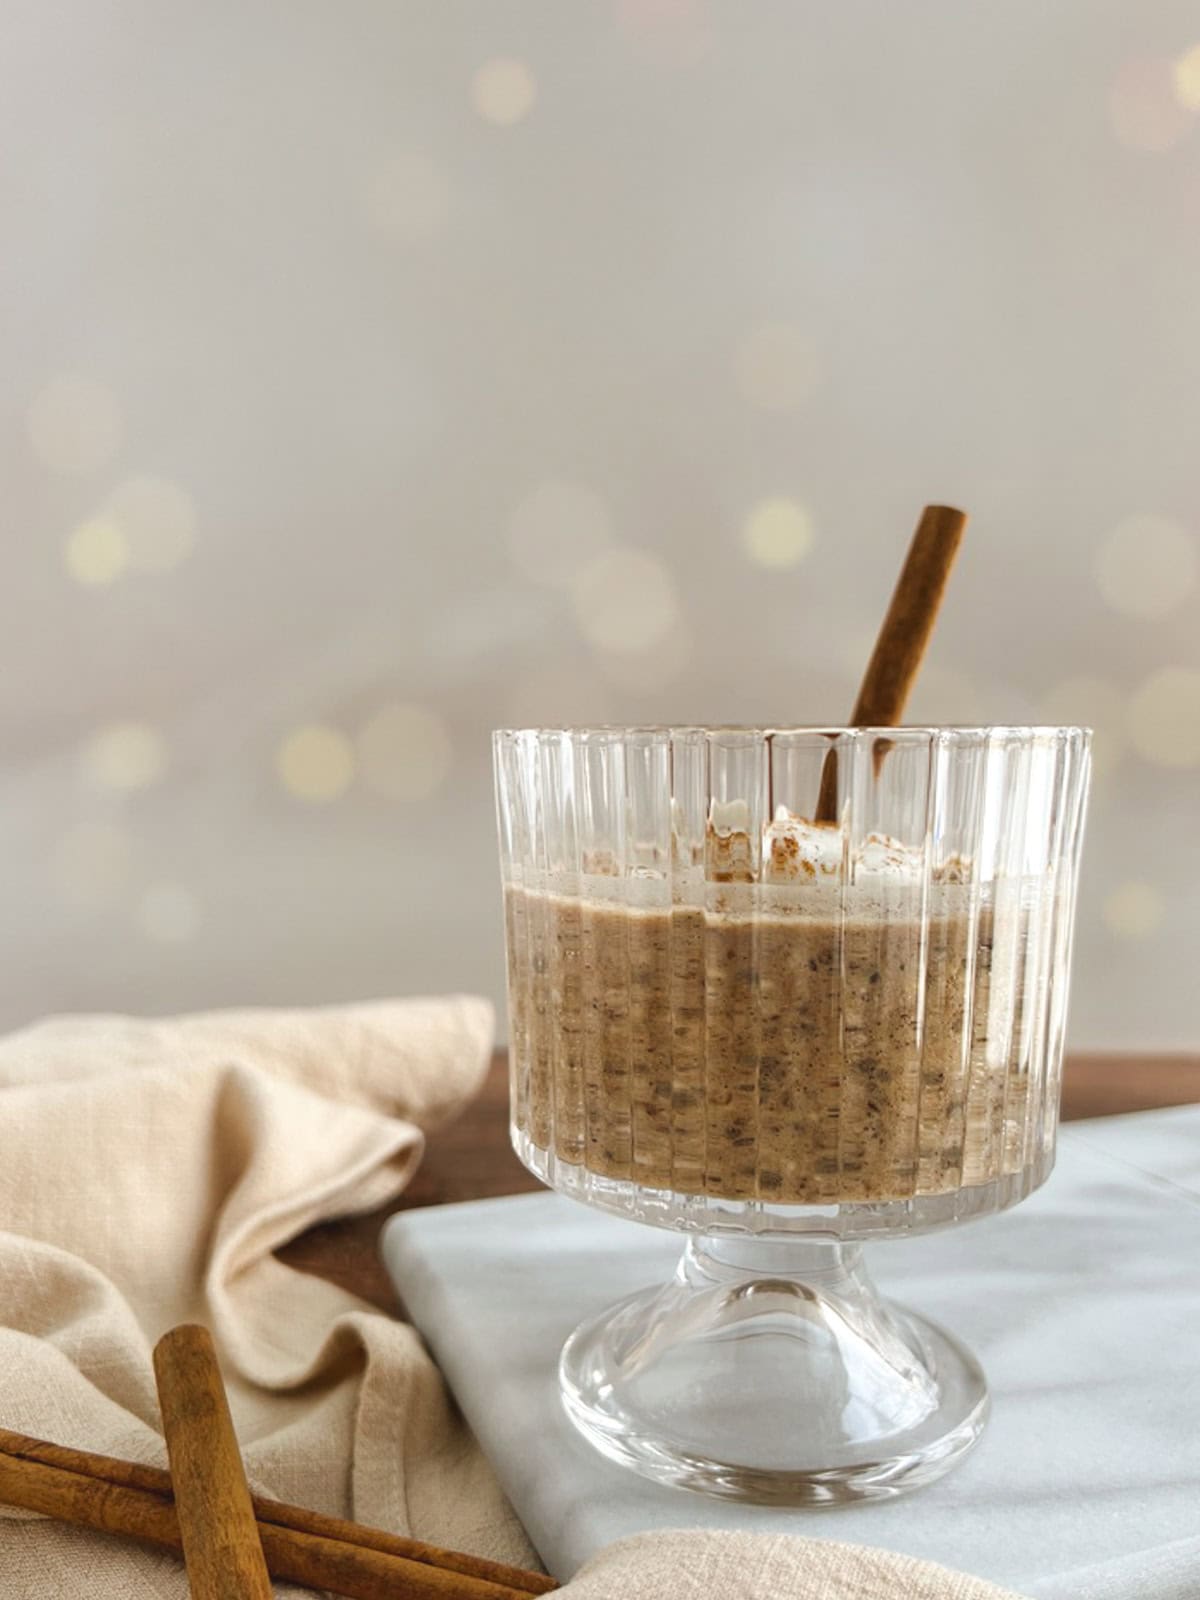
(784, 1039)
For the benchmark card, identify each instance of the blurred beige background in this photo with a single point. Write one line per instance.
(376, 374)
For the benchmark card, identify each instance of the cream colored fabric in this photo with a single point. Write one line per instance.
(148, 1169)
(694, 1565)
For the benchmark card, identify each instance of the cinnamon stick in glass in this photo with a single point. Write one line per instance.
(903, 637)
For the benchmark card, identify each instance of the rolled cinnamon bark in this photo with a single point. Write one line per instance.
(903, 637)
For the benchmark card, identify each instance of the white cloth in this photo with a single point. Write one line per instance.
(148, 1169)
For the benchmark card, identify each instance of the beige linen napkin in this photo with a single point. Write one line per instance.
(697, 1565)
(148, 1169)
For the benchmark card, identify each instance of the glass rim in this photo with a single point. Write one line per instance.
(963, 730)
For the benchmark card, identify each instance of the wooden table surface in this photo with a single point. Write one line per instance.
(470, 1159)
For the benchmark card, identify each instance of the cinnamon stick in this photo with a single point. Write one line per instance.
(154, 1481)
(124, 1497)
(221, 1546)
(903, 637)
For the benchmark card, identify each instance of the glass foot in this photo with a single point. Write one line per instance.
(771, 1371)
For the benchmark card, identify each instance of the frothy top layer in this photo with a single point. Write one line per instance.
(795, 850)
(793, 854)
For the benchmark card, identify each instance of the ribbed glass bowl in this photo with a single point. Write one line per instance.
(784, 1037)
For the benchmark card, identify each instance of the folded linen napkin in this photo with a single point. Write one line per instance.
(148, 1169)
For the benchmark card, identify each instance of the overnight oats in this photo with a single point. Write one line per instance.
(771, 1010)
(782, 1037)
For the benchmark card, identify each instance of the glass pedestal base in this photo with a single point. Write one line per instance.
(771, 1371)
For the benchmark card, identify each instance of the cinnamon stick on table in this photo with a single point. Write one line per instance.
(305, 1547)
(221, 1546)
(903, 637)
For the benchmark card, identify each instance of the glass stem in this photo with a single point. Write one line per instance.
(830, 1266)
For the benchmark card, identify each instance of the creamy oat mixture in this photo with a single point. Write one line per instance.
(785, 1024)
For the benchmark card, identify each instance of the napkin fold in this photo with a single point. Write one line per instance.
(148, 1170)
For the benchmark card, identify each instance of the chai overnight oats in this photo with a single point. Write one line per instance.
(782, 1038)
(829, 1026)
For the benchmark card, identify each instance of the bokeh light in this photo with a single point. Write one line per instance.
(503, 91)
(125, 755)
(1147, 566)
(408, 198)
(625, 601)
(404, 752)
(1144, 107)
(777, 533)
(1090, 702)
(157, 521)
(315, 763)
(75, 424)
(646, 671)
(776, 367)
(1133, 910)
(1164, 718)
(168, 913)
(1186, 73)
(90, 863)
(96, 552)
(556, 530)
